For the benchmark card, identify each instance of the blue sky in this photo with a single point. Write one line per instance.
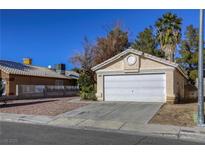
(52, 36)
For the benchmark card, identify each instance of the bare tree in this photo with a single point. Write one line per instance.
(115, 42)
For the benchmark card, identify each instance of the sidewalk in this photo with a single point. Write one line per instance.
(182, 133)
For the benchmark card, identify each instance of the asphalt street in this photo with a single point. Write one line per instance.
(26, 134)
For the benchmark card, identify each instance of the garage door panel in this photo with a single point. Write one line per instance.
(149, 87)
(134, 77)
(137, 94)
(139, 99)
(135, 85)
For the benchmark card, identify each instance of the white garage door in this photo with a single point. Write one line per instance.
(140, 88)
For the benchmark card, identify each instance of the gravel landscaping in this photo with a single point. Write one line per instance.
(49, 107)
(176, 114)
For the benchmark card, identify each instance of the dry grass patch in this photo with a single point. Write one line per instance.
(176, 114)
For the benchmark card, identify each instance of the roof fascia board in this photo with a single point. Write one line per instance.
(5, 71)
(154, 58)
(10, 73)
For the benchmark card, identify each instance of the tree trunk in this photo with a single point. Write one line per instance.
(169, 54)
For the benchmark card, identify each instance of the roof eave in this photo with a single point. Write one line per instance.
(39, 76)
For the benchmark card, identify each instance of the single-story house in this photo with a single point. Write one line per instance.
(14, 74)
(133, 75)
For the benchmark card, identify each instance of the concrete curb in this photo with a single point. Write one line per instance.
(180, 136)
(183, 136)
(192, 135)
(182, 133)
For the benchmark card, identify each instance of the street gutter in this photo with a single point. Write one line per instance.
(181, 133)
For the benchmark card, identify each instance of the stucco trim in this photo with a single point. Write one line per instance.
(140, 53)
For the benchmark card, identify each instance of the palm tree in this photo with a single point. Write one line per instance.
(168, 33)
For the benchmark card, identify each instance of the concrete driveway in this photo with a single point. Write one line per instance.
(126, 112)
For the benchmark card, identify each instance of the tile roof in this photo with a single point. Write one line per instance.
(11, 67)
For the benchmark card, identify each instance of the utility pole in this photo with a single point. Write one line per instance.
(200, 72)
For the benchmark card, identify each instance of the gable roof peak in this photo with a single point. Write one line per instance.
(140, 53)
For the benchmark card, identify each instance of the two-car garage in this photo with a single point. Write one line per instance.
(139, 88)
(136, 76)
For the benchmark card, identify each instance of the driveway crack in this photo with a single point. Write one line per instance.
(122, 125)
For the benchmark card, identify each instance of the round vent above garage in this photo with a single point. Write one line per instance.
(131, 60)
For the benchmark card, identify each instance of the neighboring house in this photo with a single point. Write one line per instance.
(72, 74)
(16, 74)
(136, 76)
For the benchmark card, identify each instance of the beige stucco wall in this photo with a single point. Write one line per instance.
(13, 80)
(174, 80)
(179, 85)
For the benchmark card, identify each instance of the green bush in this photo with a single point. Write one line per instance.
(87, 87)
